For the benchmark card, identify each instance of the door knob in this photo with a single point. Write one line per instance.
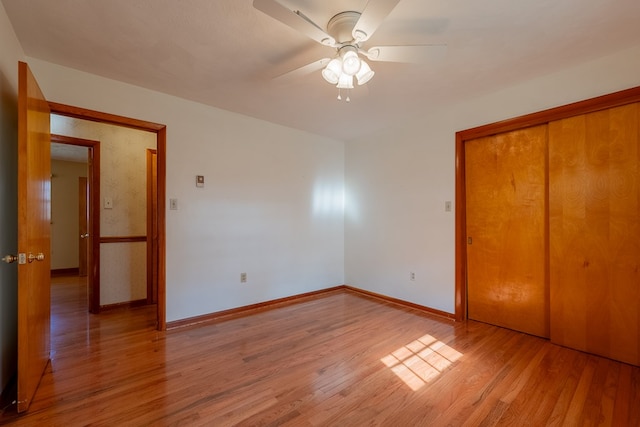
(9, 259)
(84, 236)
(39, 257)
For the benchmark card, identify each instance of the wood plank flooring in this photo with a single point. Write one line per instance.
(340, 359)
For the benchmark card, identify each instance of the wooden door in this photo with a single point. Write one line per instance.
(594, 207)
(34, 235)
(152, 226)
(83, 226)
(507, 274)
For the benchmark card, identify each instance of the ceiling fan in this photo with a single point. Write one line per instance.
(346, 32)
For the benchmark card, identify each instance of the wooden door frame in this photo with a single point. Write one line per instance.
(94, 211)
(161, 142)
(615, 99)
(152, 219)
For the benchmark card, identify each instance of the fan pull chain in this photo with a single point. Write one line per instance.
(339, 96)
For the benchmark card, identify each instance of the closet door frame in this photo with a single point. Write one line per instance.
(615, 99)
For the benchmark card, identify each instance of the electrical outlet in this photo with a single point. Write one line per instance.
(412, 276)
(243, 277)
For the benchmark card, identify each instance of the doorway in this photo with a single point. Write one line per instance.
(159, 133)
(71, 150)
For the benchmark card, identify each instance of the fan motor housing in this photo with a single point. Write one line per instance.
(340, 27)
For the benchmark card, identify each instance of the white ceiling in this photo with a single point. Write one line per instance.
(224, 53)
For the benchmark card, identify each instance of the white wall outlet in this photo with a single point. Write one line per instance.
(173, 204)
(412, 276)
(243, 277)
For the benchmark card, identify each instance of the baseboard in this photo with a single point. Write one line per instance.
(65, 272)
(123, 305)
(253, 308)
(249, 309)
(400, 302)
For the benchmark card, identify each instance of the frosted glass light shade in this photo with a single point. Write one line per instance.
(332, 71)
(350, 63)
(345, 82)
(364, 74)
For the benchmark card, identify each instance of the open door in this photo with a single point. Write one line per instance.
(34, 235)
(152, 226)
(83, 226)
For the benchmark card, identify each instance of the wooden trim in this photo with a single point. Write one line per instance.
(403, 303)
(97, 116)
(603, 102)
(122, 239)
(124, 305)
(591, 105)
(249, 309)
(58, 272)
(71, 140)
(267, 305)
(152, 226)
(161, 171)
(94, 213)
(161, 146)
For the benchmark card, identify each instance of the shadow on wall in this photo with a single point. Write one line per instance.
(8, 230)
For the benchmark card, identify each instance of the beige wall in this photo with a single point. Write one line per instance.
(64, 213)
(123, 180)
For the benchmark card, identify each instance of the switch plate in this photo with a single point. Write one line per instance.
(199, 181)
(173, 204)
(447, 206)
(108, 203)
(243, 277)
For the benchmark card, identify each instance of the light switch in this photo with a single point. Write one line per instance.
(173, 204)
(199, 181)
(108, 203)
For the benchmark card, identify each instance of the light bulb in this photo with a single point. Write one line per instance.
(350, 63)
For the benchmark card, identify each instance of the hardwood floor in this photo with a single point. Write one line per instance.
(338, 359)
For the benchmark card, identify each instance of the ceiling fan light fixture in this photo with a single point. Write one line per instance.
(364, 74)
(350, 60)
(345, 82)
(332, 71)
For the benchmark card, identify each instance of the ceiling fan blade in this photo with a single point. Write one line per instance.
(304, 70)
(372, 16)
(417, 54)
(295, 20)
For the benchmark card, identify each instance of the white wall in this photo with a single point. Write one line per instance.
(397, 182)
(11, 54)
(271, 205)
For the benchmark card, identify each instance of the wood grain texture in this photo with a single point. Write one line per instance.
(34, 234)
(506, 218)
(599, 103)
(339, 359)
(83, 226)
(595, 232)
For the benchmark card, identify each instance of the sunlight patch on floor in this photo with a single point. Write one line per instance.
(421, 361)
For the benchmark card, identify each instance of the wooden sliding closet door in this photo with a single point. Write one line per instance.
(594, 199)
(506, 198)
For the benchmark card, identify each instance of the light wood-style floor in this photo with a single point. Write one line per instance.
(340, 359)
